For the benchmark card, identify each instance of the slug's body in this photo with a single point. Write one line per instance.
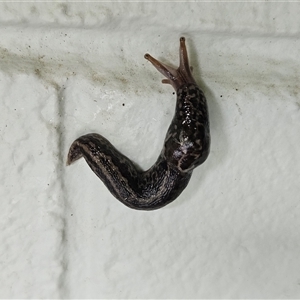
(186, 146)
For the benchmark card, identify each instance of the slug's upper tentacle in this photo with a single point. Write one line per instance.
(176, 77)
(186, 146)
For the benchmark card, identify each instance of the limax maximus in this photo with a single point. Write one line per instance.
(186, 146)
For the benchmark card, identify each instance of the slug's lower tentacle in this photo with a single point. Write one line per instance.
(186, 146)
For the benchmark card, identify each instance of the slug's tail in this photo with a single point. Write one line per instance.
(74, 153)
(137, 189)
(116, 170)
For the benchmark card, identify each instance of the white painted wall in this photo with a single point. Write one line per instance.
(67, 68)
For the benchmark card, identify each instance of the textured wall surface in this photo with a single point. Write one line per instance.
(74, 68)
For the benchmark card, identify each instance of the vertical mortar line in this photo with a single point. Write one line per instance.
(61, 164)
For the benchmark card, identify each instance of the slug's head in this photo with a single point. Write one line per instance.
(176, 77)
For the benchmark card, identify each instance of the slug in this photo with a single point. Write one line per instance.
(186, 146)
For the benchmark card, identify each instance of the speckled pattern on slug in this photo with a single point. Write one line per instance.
(186, 146)
(187, 140)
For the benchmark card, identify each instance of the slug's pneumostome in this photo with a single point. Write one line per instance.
(186, 146)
